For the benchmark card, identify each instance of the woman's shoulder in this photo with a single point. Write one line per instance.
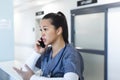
(72, 53)
(71, 50)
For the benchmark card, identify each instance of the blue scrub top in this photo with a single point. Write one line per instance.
(67, 60)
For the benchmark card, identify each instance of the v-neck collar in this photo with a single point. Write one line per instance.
(57, 55)
(52, 62)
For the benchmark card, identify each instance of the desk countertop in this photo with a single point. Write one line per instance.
(7, 67)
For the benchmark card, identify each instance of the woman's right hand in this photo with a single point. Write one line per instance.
(38, 48)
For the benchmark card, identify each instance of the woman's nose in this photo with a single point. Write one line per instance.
(43, 33)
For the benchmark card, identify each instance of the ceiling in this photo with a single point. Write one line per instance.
(30, 3)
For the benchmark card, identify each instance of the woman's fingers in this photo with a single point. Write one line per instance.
(24, 74)
(19, 71)
(27, 67)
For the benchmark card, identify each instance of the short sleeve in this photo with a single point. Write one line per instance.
(73, 63)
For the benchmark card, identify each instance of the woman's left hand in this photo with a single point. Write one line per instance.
(26, 75)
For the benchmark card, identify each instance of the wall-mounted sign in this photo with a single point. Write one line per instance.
(39, 13)
(85, 2)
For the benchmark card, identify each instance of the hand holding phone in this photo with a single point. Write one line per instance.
(41, 43)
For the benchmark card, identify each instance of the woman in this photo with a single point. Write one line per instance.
(60, 61)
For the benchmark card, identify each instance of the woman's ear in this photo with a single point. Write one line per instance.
(59, 31)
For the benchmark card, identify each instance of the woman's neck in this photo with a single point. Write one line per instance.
(56, 47)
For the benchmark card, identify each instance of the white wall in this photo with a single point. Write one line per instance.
(114, 44)
(65, 6)
(24, 22)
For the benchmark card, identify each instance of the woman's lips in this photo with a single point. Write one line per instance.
(44, 39)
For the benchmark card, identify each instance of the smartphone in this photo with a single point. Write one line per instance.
(41, 43)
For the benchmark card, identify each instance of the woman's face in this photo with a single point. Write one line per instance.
(48, 31)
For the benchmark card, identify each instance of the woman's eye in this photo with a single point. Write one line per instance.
(45, 29)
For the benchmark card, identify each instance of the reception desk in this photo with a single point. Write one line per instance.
(7, 72)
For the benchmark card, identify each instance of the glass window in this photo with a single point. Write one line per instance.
(89, 31)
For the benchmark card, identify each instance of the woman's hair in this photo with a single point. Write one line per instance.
(59, 20)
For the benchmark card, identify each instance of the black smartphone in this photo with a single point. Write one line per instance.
(41, 43)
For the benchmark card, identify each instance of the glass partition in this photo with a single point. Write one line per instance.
(93, 66)
(89, 31)
(88, 36)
